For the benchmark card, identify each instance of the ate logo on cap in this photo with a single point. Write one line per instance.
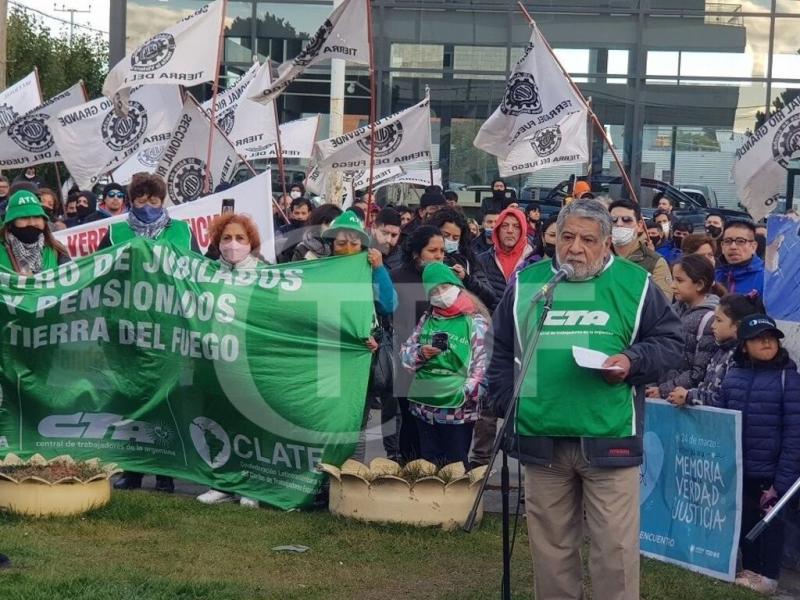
(27, 200)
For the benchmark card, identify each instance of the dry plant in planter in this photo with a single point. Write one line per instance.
(417, 494)
(61, 486)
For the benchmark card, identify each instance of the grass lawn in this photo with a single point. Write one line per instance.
(146, 546)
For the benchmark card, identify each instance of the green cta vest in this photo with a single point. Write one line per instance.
(176, 232)
(558, 397)
(440, 381)
(49, 258)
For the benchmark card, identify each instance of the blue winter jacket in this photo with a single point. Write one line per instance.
(742, 278)
(670, 252)
(768, 396)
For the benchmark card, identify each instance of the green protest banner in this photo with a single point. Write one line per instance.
(166, 363)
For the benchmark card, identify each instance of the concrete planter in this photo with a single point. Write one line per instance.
(417, 494)
(35, 496)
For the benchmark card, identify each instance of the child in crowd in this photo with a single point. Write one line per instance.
(696, 295)
(763, 383)
(728, 314)
(446, 352)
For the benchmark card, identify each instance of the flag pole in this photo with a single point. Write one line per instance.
(279, 151)
(372, 109)
(598, 125)
(214, 92)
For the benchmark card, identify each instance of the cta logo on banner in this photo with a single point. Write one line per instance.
(251, 197)
(691, 487)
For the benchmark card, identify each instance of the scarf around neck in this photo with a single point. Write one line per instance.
(28, 256)
(148, 230)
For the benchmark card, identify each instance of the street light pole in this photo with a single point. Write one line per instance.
(71, 12)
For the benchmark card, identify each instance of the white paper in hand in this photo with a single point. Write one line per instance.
(591, 359)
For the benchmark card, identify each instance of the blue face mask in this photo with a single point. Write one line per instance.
(450, 246)
(487, 231)
(147, 213)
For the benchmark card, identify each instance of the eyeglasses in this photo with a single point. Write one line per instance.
(626, 220)
(736, 241)
(115, 195)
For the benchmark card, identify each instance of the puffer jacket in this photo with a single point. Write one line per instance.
(475, 280)
(768, 396)
(707, 391)
(698, 346)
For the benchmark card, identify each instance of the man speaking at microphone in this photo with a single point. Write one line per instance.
(579, 429)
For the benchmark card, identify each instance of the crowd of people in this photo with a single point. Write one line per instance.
(444, 339)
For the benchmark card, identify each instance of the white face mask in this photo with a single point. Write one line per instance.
(445, 299)
(622, 236)
(450, 246)
(665, 228)
(295, 195)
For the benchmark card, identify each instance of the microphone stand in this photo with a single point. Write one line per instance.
(759, 527)
(509, 414)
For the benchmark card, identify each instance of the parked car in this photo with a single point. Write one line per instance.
(705, 195)
(686, 208)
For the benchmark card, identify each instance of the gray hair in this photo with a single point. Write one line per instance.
(586, 208)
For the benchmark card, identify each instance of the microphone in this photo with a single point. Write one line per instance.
(565, 271)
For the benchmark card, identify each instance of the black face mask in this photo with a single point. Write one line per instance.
(549, 250)
(26, 235)
(656, 240)
(713, 231)
(82, 211)
(297, 222)
(499, 195)
(50, 212)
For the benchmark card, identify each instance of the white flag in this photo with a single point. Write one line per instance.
(361, 179)
(145, 160)
(184, 54)
(343, 35)
(297, 141)
(760, 167)
(538, 95)
(28, 140)
(183, 162)
(401, 138)
(19, 98)
(251, 197)
(562, 144)
(249, 125)
(421, 177)
(112, 138)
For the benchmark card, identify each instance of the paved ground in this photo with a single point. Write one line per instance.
(790, 580)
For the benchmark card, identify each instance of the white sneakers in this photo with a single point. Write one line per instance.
(756, 582)
(217, 497)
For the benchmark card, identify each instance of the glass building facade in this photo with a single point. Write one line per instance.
(678, 83)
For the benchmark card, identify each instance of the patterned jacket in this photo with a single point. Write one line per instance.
(474, 388)
(707, 391)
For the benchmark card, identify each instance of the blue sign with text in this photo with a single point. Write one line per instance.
(691, 487)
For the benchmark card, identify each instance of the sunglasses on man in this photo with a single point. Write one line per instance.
(115, 194)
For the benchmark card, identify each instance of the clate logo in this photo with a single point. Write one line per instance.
(211, 441)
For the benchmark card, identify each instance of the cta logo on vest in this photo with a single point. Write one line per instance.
(568, 318)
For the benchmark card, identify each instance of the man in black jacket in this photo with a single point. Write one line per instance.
(575, 455)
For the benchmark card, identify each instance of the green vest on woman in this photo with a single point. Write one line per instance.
(439, 382)
(176, 232)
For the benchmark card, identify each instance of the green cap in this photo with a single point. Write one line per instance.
(347, 221)
(436, 274)
(23, 204)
